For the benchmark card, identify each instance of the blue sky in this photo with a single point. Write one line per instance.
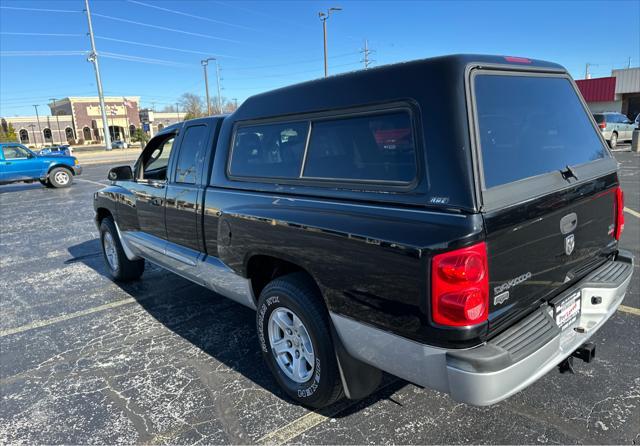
(263, 44)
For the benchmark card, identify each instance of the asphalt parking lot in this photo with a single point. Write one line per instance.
(84, 360)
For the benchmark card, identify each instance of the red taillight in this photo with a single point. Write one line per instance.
(619, 213)
(602, 125)
(460, 286)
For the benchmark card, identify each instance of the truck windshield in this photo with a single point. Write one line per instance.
(531, 125)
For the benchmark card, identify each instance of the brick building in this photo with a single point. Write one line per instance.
(34, 131)
(78, 120)
(123, 116)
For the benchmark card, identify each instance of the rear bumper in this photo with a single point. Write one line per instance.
(505, 365)
(608, 282)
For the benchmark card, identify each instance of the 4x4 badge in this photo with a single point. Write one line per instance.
(569, 244)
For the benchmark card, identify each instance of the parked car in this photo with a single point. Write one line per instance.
(19, 164)
(615, 127)
(119, 145)
(61, 149)
(452, 221)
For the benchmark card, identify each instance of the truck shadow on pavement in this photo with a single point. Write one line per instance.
(217, 326)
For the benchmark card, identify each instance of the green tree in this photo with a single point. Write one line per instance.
(140, 136)
(8, 133)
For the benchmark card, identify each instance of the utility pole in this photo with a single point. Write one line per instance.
(218, 82)
(178, 111)
(39, 128)
(205, 63)
(57, 119)
(323, 18)
(629, 62)
(93, 58)
(366, 53)
(112, 112)
(33, 131)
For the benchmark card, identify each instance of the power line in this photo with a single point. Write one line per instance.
(164, 28)
(20, 8)
(272, 17)
(40, 53)
(193, 16)
(41, 34)
(291, 73)
(130, 58)
(150, 45)
(295, 62)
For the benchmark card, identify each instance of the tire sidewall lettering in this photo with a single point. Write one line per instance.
(261, 325)
(263, 313)
(315, 382)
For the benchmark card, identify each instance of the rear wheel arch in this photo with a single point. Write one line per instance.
(263, 268)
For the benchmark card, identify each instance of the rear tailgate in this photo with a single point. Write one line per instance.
(548, 188)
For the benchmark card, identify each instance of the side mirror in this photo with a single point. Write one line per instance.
(120, 173)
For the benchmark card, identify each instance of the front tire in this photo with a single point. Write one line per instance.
(613, 142)
(120, 267)
(295, 339)
(60, 177)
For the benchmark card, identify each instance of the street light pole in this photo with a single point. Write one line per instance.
(323, 18)
(93, 58)
(39, 128)
(57, 119)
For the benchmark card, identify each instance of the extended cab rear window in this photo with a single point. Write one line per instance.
(531, 125)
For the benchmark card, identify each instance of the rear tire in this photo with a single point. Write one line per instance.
(120, 267)
(293, 328)
(613, 142)
(60, 177)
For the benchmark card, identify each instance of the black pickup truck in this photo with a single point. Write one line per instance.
(452, 221)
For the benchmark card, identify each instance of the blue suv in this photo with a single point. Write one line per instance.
(17, 163)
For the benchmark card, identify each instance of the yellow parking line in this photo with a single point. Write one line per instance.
(297, 427)
(66, 317)
(632, 212)
(631, 310)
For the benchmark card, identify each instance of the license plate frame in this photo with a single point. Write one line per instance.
(567, 310)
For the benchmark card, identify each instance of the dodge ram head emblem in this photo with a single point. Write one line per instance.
(569, 244)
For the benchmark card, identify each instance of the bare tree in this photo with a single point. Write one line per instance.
(227, 105)
(192, 106)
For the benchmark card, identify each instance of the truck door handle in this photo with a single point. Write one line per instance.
(156, 202)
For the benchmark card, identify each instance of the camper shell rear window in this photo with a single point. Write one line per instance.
(530, 125)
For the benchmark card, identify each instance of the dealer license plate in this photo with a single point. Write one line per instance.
(566, 311)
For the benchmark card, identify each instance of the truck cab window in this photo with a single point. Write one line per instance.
(191, 154)
(155, 159)
(15, 152)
